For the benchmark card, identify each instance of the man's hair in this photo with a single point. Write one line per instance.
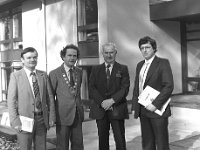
(28, 49)
(146, 40)
(70, 46)
(109, 44)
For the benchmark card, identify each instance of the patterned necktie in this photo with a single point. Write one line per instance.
(108, 75)
(142, 77)
(36, 91)
(71, 77)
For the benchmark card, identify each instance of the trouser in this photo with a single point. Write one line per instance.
(154, 133)
(37, 137)
(71, 133)
(118, 128)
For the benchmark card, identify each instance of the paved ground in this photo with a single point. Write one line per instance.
(180, 138)
(183, 133)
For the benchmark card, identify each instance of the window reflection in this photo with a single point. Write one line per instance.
(193, 56)
(10, 47)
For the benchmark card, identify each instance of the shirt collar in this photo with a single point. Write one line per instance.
(67, 68)
(150, 60)
(28, 72)
(111, 65)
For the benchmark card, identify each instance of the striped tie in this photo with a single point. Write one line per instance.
(36, 91)
(141, 77)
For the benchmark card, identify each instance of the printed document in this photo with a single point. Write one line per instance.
(27, 123)
(148, 95)
(5, 120)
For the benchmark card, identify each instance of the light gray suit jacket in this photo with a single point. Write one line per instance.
(21, 98)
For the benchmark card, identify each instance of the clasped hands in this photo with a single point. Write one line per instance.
(107, 104)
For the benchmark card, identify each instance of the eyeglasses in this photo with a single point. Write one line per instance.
(145, 48)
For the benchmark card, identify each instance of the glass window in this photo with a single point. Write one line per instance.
(10, 47)
(87, 37)
(87, 20)
(193, 56)
(87, 16)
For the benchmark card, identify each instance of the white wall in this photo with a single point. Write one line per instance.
(49, 28)
(127, 21)
(122, 22)
(61, 29)
(34, 30)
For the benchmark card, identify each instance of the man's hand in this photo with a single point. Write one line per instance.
(107, 104)
(18, 128)
(151, 108)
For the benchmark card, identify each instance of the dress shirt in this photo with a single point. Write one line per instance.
(29, 76)
(144, 71)
(67, 71)
(110, 68)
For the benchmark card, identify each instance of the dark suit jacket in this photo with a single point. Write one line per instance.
(21, 98)
(66, 103)
(118, 90)
(159, 77)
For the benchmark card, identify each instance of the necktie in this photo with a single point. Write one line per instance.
(108, 75)
(71, 77)
(36, 91)
(142, 77)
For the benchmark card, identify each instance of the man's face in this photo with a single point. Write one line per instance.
(70, 57)
(147, 51)
(109, 54)
(30, 60)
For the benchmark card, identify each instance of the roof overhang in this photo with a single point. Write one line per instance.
(8, 4)
(2, 2)
(176, 10)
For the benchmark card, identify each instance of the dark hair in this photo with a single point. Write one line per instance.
(70, 46)
(28, 49)
(146, 40)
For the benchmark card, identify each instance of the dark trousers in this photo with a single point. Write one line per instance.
(71, 133)
(154, 133)
(38, 136)
(118, 128)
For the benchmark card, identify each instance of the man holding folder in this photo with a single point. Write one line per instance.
(156, 73)
(30, 99)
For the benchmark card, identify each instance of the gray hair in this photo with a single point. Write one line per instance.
(109, 44)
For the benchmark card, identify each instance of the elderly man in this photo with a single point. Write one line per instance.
(108, 88)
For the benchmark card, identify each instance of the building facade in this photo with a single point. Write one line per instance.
(48, 25)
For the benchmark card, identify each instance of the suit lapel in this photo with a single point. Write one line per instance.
(64, 75)
(26, 82)
(102, 74)
(140, 67)
(113, 73)
(152, 69)
(40, 82)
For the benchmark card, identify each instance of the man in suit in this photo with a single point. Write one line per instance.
(66, 83)
(156, 73)
(108, 87)
(23, 101)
